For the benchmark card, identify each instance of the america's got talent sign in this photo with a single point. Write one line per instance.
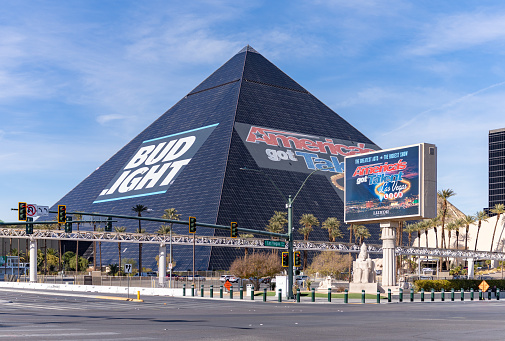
(393, 184)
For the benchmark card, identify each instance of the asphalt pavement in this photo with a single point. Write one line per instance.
(28, 315)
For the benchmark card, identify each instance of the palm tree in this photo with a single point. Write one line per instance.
(77, 217)
(118, 230)
(498, 209)
(362, 232)
(468, 220)
(411, 228)
(444, 195)
(433, 223)
(480, 216)
(277, 222)
(139, 209)
(452, 226)
(308, 221)
(499, 239)
(332, 224)
(171, 214)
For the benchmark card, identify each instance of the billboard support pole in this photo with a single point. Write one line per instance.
(388, 253)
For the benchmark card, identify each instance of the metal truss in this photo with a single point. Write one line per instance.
(448, 253)
(144, 238)
(255, 243)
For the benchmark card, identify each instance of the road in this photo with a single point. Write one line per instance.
(28, 315)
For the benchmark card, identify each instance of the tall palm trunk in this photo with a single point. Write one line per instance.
(466, 236)
(426, 235)
(119, 253)
(436, 237)
(494, 231)
(457, 238)
(419, 238)
(477, 236)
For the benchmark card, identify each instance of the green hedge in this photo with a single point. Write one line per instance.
(456, 284)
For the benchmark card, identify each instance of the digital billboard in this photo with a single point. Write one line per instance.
(392, 184)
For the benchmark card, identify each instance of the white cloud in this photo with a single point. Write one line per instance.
(461, 31)
(102, 119)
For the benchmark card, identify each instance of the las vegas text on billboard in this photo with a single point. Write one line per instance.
(391, 184)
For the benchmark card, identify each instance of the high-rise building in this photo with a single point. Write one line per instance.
(496, 167)
(214, 156)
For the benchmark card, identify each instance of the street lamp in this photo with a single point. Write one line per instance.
(289, 206)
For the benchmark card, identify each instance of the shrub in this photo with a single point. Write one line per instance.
(456, 284)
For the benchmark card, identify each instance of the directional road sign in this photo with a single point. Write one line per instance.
(127, 268)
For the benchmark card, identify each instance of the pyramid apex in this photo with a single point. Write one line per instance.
(247, 48)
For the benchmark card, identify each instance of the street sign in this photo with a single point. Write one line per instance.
(42, 211)
(169, 266)
(31, 210)
(483, 286)
(274, 243)
(227, 285)
(127, 268)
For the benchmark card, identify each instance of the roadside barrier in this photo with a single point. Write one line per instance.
(378, 296)
(298, 295)
(329, 294)
(231, 292)
(400, 296)
(346, 296)
(363, 296)
(265, 295)
(221, 291)
(192, 290)
(184, 290)
(201, 291)
(422, 295)
(241, 292)
(211, 291)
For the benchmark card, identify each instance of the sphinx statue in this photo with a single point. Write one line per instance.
(364, 267)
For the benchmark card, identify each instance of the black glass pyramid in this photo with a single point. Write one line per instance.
(247, 114)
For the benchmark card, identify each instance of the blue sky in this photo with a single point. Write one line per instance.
(80, 79)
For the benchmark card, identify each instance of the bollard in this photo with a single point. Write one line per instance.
(313, 294)
(497, 294)
(279, 295)
(138, 295)
(471, 294)
(432, 295)
(378, 297)
(489, 295)
(192, 290)
(201, 291)
(411, 294)
(363, 296)
(252, 294)
(452, 294)
(231, 292)
(211, 291)
(329, 294)
(346, 296)
(422, 295)
(442, 295)
(221, 291)
(298, 295)
(389, 295)
(480, 295)
(264, 294)
(241, 292)
(462, 294)
(184, 289)
(400, 296)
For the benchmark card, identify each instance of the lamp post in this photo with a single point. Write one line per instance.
(289, 206)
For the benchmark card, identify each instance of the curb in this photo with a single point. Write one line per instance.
(118, 298)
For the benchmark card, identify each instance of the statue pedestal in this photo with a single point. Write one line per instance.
(370, 288)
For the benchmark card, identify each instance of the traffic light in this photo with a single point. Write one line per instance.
(285, 259)
(108, 225)
(22, 211)
(62, 214)
(68, 225)
(192, 225)
(234, 230)
(29, 226)
(298, 259)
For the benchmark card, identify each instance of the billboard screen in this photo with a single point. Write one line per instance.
(392, 184)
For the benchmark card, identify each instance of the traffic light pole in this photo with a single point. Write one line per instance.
(290, 247)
